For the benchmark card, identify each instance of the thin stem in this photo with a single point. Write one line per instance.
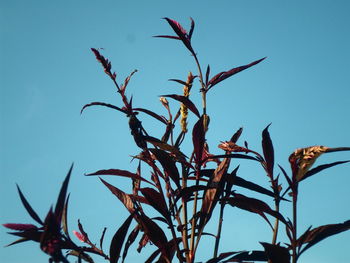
(218, 235)
(193, 225)
(184, 216)
(275, 228)
(294, 233)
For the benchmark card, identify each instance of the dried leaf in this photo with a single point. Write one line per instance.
(64, 217)
(118, 240)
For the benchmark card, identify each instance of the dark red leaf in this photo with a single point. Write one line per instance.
(102, 104)
(198, 139)
(29, 209)
(254, 255)
(123, 197)
(118, 240)
(179, 81)
(276, 253)
(156, 200)
(236, 136)
(118, 172)
(61, 200)
(255, 206)
(20, 227)
(226, 74)
(314, 236)
(321, 168)
(186, 101)
(153, 114)
(131, 239)
(268, 150)
(168, 165)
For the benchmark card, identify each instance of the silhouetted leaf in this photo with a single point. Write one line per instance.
(118, 240)
(239, 181)
(276, 253)
(254, 255)
(313, 236)
(156, 200)
(268, 151)
(104, 105)
(186, 101)
(255, 206)
(179, 81)
(321, 168)
(235, 156)
(152, 114)
(166, 147)
(187, 192)
(198, 139)
(21, 240)
(226, 74)
(29, 209)
(123, 197)
(131, 239)
(118, 172)
(61, 200)
(102, 237)
(20, 227)
(168, 165)
(236, 136)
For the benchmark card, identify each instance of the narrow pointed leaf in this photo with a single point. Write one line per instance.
(317, 234)
(321, 168)
(186, 101)
(61, 200)
(152, 114)
(268, 151)
(118, 172)
(118, 240)
(254, 255)
(179, 81)
(198, 139)
(104, 105)
(123, 197)
(131, 239)
(226, 74)
(21, 240)
(29, 209)
(236, 136)
(64, 217)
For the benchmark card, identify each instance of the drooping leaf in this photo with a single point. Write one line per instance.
(118, 172)
(168, 165)
(102, 237)
(276, 253)
(28, 207)
(226, 74)
(255, 206)
(152, 114)
(320, 168)
(104, 105)
(118, 240)
(268, 150)
(123, 197)
(61, 200)
(314, 236)
(156, 200)
(186, 101)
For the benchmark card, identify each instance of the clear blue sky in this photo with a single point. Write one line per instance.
(48, 73)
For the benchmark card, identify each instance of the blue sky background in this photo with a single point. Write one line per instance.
(48, 73)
